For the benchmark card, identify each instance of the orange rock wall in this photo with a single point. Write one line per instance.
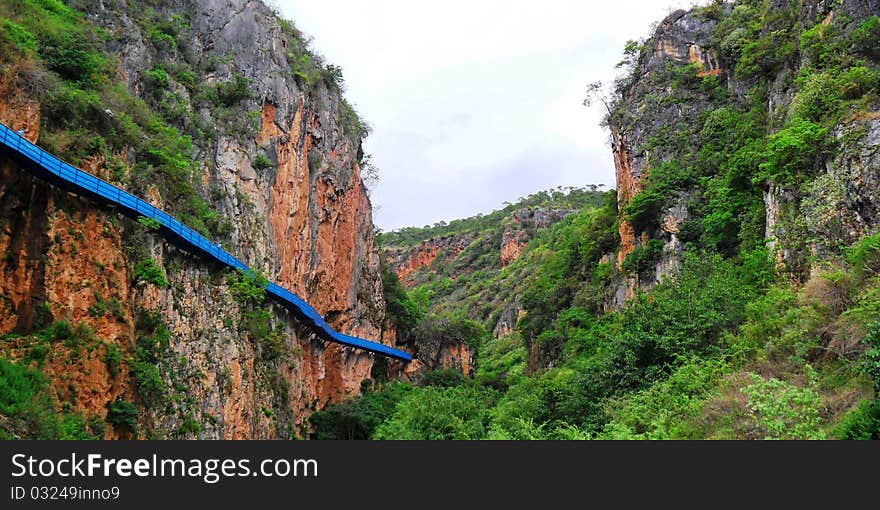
(319, 256)
(511, 251)
(628, 186)
(65, 251)
(423, 256)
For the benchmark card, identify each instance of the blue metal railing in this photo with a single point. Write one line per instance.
(48, 167)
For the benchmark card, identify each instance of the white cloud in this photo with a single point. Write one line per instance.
(475, 102)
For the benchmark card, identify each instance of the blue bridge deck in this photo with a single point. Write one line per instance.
(51, 169)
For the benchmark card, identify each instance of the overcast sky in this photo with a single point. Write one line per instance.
(474, 103)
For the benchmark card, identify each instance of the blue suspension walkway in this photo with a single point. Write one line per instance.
(51, 169)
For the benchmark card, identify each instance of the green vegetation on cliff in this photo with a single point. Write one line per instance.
(28, 409)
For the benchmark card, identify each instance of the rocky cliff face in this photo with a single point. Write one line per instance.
(526, 222)
(516, 232)
(842, 205)
(651, 112)
(301, 216)
(449, 354)
(407, 261)
(689, 72)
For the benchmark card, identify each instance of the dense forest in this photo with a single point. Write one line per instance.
(742, 236)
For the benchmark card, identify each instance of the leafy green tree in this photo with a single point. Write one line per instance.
(643, 259)
(262, 162)
(247, 287)
(30, 410)
(402, 311)
(783, 411)
(148, 271)
(121, 412)
(436, 330)
(433, 413)
(150, 223)
(792, 152)
(867, 37)
(358, 418)
(871, 361)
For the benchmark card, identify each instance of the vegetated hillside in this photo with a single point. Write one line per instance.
(465, 279)
(743, 298)
(219, 113)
